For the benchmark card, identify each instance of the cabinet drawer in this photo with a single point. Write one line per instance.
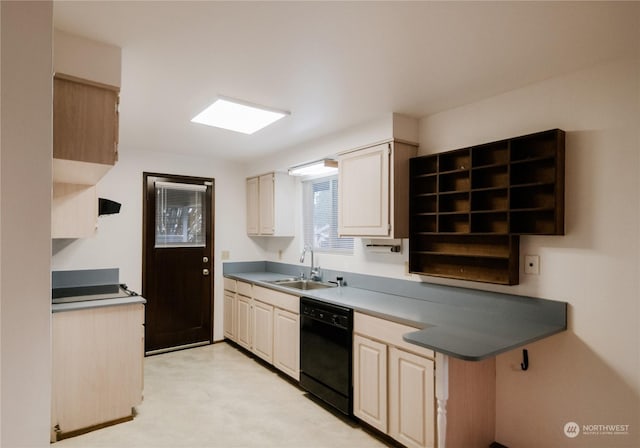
(387, 332)
(229, 284)
(278, 299)
(244, 289)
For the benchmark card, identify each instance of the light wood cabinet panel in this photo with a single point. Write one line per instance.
(411, 399)
(373, 193)
(74, 211)
(286, 342)
(253, 206)
(85, 120)
(266, 203)
(263, 330)
(97, 367)
(243, 329)
(363, 183)
(229, 284)
(277, 299)
(269, 205)
(370, 382)
(229, 328)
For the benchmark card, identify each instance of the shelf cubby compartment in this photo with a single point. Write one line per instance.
(453, 202)
(425, 164)
(490, 222)
(490, 177)
(488, 270)
(536, 146)
(490, 154)
(533, 196)
(423, 223)
(453, 181)
(454, 160)
(453, 223)
(490, 199)
(468, 245)
(533, 172)
(422, 185)
(535, 222)
(425, 203)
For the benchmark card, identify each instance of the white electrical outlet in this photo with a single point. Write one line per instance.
(532, 264)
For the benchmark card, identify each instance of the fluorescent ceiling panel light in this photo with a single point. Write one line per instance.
(317, 168)
(238, 116)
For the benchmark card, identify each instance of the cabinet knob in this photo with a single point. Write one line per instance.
(205, 272)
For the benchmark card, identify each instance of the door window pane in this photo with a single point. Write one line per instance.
(180, 218)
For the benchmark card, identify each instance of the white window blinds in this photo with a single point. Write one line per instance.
(320, 216)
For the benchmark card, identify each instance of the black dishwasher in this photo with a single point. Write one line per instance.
(326, 349)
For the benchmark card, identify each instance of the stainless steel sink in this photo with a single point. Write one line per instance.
(303, 284)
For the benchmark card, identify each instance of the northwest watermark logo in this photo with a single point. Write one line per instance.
(573, 430)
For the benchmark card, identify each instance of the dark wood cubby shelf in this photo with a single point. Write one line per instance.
(468, 207)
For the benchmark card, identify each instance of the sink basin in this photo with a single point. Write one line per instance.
(303, 284)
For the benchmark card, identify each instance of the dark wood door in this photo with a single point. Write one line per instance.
(177, 277)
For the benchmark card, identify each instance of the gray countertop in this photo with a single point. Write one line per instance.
(88, 304)
(463, 323)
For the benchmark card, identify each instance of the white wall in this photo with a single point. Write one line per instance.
(590, 373)
(118, 240)
(25, 229)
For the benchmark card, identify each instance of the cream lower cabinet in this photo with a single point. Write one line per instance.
(230, 309)
(97, 375)
(265, 322)
(286, 342)
(411, 398)
(394, 383)
(244, 320)
(276, 329)
(229, 327)
(263, 330)
(370, 382)
(420, 398)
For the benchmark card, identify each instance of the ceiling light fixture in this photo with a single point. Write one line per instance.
(238, 116)
(316, 168)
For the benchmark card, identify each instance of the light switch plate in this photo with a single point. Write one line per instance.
(532, 264)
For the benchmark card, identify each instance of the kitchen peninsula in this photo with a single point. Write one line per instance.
(453, 332)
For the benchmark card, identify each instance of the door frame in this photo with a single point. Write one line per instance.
(210, 230)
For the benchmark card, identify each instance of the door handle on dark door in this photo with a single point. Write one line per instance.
(205, 259)
(205, 272)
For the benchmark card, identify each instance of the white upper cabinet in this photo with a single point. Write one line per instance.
(373, 191)
(253, 206)
(270, 205)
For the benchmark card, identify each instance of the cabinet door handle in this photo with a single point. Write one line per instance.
(205, 272)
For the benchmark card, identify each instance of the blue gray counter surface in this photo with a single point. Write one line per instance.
(464, 323)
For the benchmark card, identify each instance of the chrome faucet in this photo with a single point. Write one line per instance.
(314, 272)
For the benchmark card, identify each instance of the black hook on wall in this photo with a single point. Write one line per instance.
(524, 365)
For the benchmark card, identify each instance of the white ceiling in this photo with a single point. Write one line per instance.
(332, 64)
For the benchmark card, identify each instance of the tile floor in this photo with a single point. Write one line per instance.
(216, 396)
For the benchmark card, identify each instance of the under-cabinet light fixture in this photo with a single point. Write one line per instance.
(239, 116)
(316, 168)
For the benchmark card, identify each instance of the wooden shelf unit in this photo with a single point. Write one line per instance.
(469, 206)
